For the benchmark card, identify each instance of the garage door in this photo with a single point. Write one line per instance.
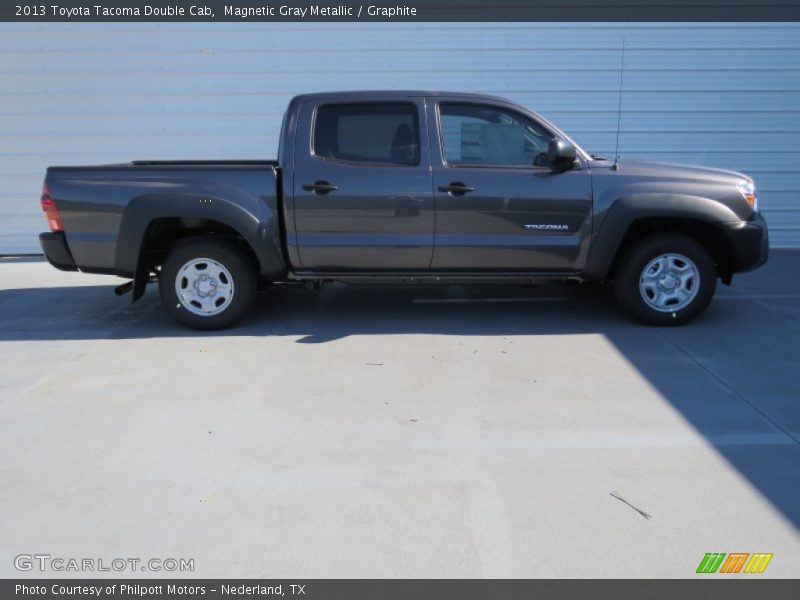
(726, 95)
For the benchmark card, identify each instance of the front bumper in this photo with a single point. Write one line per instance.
(749, 242)
(56, 251)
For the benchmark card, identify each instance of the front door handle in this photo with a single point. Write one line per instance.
(456, 188)
(320, 187)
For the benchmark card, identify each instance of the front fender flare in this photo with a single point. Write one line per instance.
(611, 227)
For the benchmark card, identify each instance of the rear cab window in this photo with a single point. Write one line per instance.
(369, 133)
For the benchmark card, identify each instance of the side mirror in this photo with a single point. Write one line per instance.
(561, 154)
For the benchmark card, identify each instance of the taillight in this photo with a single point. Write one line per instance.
(50, 210)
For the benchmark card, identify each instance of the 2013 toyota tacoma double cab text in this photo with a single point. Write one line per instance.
(406, 187)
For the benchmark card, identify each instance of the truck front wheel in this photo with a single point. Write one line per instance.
(665, 279)
(207, 283)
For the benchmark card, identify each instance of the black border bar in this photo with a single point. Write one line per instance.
(730, 588)
(404, 10)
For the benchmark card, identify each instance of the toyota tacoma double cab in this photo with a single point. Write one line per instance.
(406, 187)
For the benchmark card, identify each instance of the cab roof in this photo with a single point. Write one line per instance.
(367, 94)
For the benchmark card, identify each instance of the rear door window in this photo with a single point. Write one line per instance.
(377, 133)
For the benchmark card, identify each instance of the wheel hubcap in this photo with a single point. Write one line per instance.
(669, 282)
(204, 287)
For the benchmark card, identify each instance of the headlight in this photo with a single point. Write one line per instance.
(748, 191)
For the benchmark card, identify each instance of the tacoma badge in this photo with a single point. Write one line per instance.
(547, 227)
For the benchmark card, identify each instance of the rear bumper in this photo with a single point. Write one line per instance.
(54, 246)
(749, 242)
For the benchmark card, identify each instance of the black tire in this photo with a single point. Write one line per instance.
(639, 255)
(242, 272)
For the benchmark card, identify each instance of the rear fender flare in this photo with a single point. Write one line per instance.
(248, 215)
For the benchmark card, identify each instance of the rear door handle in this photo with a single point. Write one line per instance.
(320, 187)
(456, 188)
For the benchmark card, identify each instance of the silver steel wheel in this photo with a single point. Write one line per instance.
(669, 282)
(204, 287)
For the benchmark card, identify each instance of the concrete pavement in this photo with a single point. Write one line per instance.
(400, 432)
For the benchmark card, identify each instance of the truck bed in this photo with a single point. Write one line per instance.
(172, 164)
(102, 205)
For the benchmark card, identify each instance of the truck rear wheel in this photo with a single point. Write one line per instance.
(207, 283)
(665, 279)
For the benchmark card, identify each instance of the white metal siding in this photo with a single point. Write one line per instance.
(726, 95)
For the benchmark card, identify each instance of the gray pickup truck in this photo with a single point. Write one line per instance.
(406, 187)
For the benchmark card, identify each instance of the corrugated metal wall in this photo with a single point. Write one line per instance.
(724, 95)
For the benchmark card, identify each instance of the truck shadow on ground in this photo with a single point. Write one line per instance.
(731, 374)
